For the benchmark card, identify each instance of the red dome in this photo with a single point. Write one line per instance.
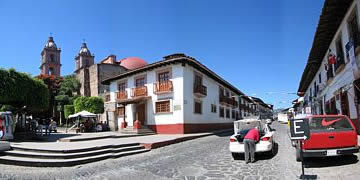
(133, 63)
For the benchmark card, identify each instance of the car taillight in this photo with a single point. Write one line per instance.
(232, 140)
(265, 138)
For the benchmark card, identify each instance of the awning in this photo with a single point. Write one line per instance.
(84, 114)
(133, 100)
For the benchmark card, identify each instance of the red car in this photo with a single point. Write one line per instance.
(330, 135)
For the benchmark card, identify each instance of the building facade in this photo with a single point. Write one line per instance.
(330, 81)
(174, 96)
(261, 109)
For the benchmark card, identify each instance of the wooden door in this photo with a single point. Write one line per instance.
(141, 113)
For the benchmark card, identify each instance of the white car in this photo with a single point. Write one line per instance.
(4, 146)
(266, 143)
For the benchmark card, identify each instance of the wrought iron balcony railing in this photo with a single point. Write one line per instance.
(163, 87)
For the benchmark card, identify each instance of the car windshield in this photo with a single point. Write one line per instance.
(329, 124)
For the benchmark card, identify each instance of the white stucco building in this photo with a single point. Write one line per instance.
(330, 81)
(175, 95)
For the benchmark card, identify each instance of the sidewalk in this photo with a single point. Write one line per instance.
(73, 137)
(111, 138)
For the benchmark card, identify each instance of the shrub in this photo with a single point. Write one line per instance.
(91, 104)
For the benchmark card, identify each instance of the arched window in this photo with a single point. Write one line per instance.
(52, 71)
(52, 58)
(87, 64)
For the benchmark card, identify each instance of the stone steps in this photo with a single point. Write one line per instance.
(100, 137)
(62, 158)
(143, 131)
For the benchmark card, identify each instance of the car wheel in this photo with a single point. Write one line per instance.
(293, 143)
(298, 158)
(273, 149)
(236, 156)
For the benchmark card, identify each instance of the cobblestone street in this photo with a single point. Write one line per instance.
(204, 158)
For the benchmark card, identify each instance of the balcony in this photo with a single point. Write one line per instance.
(228, 101)
(121, 95)
(235, 104)
(329, 74)
(340, 64)
(107, 97)
(163, 87)
(200, 90)
(241, 107)
(139, 91)
(224, 100)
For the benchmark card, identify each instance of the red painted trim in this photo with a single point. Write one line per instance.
(168, 128)
(137, 124)
(123, 124)
(188, 128)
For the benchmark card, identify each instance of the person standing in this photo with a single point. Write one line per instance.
(47, 123)
(250, 139)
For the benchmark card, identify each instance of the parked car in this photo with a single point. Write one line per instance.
(266, 143)
(6, 126)
(330, 135)
(4, 146)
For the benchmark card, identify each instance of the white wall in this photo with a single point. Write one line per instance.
(212, 98)
(176, 97)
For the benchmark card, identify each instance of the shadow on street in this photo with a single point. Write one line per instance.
(263, 155)
(224, 134)
(268, 155)
(330, 161)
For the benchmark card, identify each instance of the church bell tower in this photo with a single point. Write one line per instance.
(50, 59)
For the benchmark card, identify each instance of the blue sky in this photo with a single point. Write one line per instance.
(260, 46)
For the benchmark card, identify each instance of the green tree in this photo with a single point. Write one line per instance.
(68, 110)
(19, 90)
(69, 90)
(91, 104)
(7, 108)
(53, 83)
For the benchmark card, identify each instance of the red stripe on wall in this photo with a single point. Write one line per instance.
(168, 128)
(189, 128)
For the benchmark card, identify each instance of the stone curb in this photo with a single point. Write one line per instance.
(102, 137)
